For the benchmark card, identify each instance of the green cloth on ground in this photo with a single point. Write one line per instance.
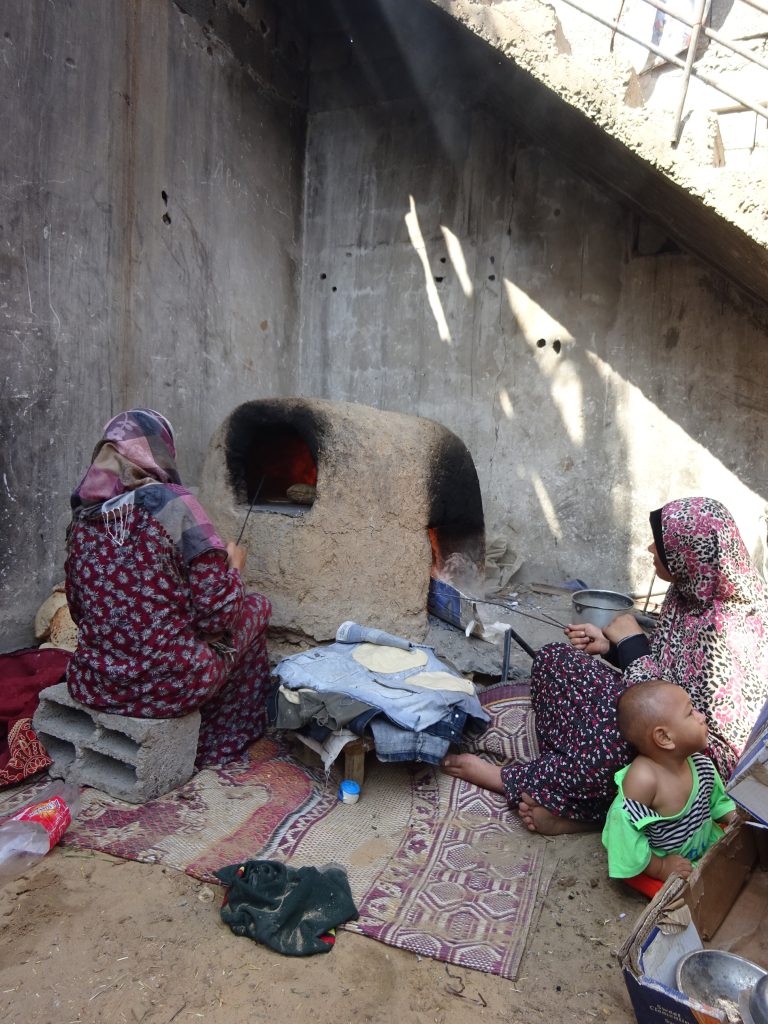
(286, 908)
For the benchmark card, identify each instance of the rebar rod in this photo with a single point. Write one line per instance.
(671, 58)
(736, 47)
(758, 6)
(693, 42)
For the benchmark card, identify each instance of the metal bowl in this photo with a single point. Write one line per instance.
(716, 978)
(758, 1001)
(600, 607)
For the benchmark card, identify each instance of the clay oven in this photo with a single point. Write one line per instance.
(353, 509)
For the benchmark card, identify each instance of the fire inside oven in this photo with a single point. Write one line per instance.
(272, 463)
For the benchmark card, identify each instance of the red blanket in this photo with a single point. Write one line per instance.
(23, 674)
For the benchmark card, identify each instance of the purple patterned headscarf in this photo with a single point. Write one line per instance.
(134, 465)
(712, 635)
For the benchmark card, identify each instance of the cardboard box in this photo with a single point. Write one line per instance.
(724, 904)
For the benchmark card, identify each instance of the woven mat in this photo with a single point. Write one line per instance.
(436, 866)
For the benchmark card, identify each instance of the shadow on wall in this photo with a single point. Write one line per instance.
(559, 375)
(500, 293)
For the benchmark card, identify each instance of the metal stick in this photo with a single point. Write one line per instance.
(650, 591)
(519, 640)
(505, 659)
(248, 513)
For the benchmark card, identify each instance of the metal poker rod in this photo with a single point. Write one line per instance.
(248, 513)
(546, 619)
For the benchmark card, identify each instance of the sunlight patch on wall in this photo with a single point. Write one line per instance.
(566, 387)
(662, 461)
(533, 320)
(456, 256)
(506, 403)
(417, 241)
(547, 508)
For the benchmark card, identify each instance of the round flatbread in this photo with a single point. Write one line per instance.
(441, 681)
(388, 660)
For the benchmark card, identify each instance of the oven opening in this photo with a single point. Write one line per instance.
(272, 464)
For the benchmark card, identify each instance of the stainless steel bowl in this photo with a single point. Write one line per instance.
(600, 607)
(758, 1001)
(716, 978)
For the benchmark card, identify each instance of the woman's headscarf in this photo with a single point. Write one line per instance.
(712, 636)
(134, 465)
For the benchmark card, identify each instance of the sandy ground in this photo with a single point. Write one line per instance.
(87, 937)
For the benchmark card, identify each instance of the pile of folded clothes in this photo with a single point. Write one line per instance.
(372, 683)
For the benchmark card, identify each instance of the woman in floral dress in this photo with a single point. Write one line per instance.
(164, 624)
(711, 639)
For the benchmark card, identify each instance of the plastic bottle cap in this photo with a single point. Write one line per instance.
(349, 792)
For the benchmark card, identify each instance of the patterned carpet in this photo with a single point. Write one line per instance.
(436, 866)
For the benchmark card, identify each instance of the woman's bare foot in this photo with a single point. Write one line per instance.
(472, 768)
(538, 819)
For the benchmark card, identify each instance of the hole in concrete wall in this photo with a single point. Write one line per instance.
(164, 194)
(557, 345)
(57, 718)
(62, 752)
(118, 745)
(166, 218)
(491, 277)
(442, 259)
(323, 277)
(70, 63)
(333, 289)
(492, 259)
(94, 767)
(541, 343)
(439, 279)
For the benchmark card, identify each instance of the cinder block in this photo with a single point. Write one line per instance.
(133, 759)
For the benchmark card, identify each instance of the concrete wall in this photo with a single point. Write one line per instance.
(454, 270)
(150, 215)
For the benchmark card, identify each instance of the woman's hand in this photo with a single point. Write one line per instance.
(588, 638)
(236, 556)
(622, 626)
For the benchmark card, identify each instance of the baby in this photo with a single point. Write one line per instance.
(670, 796)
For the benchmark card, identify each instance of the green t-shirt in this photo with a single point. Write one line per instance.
(634, 831)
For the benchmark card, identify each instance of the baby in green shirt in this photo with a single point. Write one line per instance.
(670, 797)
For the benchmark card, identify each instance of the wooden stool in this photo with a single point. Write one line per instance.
(354, 754)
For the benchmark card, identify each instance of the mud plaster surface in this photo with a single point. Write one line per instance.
(362, 551)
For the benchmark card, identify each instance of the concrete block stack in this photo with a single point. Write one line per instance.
(132, 759)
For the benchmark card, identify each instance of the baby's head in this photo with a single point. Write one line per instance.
(658, 716)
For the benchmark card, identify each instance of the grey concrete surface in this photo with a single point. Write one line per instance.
(150, 201)
(458, 268)
(133, 759)
(207, 202)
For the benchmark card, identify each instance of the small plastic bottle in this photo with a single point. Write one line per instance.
(36, 828)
